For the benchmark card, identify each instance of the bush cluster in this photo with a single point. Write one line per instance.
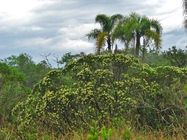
(103, 88)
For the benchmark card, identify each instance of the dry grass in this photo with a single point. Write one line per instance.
(117, 134)
(9, 133)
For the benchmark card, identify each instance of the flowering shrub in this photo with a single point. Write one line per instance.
(102, 88)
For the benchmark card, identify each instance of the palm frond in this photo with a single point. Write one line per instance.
(156, 38)
(155, 24)
(116, 19)
(93, 34)
(144, 24)
(118, 33)
(104, 21)
(129, 28)
(122, 33)
(133, 22)
(101, 39)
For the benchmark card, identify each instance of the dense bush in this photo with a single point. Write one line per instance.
(23, 63)
(176, 57)
(11, 91)
(103, 88)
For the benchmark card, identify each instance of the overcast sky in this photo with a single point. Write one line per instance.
(59, 26)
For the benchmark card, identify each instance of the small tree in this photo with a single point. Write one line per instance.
(177, 57)
(12, 90)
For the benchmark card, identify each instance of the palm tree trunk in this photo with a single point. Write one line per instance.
(109, 44)
(137, 45)
(143, 51)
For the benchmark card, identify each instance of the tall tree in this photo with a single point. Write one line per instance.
(136, 27)
(12, 90)
(185, 13)
(104, 35)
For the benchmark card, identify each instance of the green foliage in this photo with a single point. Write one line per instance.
(106, 134)
(103, 88)
(68, 57)
(185, 101)
(126, 134)
(94, 132)
(155, 59)
(11, 90)
(177, 57)
(24, 63)
(136, 27)
(117, 122)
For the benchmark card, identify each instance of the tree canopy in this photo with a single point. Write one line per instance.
(104, 35)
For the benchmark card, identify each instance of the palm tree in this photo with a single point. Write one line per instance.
(185, 13)
(120, 34)
(136, 27)
(104, 35)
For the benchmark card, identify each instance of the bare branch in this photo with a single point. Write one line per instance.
(45, 57)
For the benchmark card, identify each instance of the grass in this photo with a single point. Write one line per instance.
(124, 132)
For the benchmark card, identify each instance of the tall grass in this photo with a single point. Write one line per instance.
(113, 132)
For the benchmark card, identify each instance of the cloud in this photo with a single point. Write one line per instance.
(176, 38)
(79, 31)
(60, 26)
(182, 43)
(74, 46)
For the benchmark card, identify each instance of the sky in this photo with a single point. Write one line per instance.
(56, 27)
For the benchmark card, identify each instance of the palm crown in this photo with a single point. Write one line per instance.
(104, 35)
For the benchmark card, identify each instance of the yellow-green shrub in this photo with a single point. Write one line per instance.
(102, 88)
